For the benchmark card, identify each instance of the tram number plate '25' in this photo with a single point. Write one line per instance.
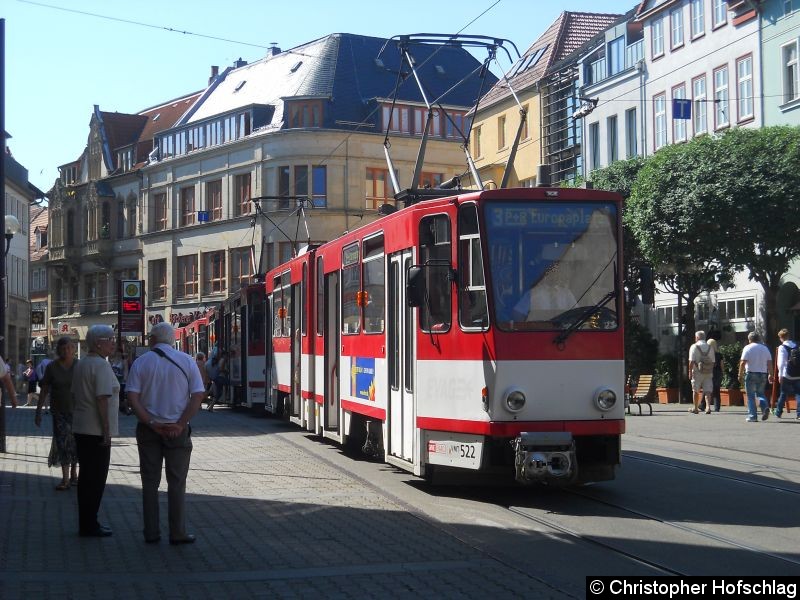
(458, 450)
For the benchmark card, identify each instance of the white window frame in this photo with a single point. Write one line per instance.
(594, 146)
(612, 133)
(679, 130)
(660, 120)
(745, 103)
(700, 108)
(657, 37)
(698, 17)
(790, 71)
(676, 28)
(721, 98)
(719, 13)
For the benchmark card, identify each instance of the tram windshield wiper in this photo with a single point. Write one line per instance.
(586, 313)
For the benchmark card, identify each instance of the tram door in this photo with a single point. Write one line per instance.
(401, 360)
(296, 351)
(332, 344)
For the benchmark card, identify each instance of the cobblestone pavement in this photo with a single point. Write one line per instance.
(272, 520)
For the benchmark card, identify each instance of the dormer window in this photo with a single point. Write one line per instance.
(296, 66)
(41, 238)
(125, 159)
(306, 113)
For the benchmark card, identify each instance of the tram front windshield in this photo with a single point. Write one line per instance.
(553, 265)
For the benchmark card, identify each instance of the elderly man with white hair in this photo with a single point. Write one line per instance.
(94, 422)
(165, 390)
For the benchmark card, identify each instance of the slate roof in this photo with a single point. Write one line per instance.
(341, 69)
(565, 35)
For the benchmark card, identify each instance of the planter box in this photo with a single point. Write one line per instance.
(731, 397)
(667, 395)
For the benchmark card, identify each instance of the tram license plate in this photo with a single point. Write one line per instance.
(456, 450)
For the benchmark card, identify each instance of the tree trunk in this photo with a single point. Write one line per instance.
(770, 312)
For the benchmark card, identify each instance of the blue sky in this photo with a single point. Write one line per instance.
(60, 63)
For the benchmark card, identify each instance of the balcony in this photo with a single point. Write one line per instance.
(94, 248)
(64, 254)
(634, 53)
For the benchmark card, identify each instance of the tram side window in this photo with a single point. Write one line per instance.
(255, 316)
(351, 286)
(374, 286)
(287, 304)
(277, 308)
(472, 308)
(320, 295)
(435, 255)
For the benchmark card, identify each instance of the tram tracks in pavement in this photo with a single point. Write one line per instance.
(713, 473)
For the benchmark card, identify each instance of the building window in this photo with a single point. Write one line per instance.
(616, 56)
(744, 308)
(430, 180)
(594, 146)
(186, 286)
(631, 140)
(214, 281)
(284, 185)
(241, 267)
(698, 11)
(700, 108)
(657, 36)
(132, 218)
(319, 186)
(400, 116)
(214, 200)
(613, 139)
(721, 118)
(744, 87)
(305, 114)
(679, 125)
(121, 219)
(660, 116)
(501, 132)
(719, 13)
(476, 142)
(676, 23)
(158, 279)
(160, 212)
(187, 206)
(525, 133)
(377, 187)
(241, 191)
(791, 72)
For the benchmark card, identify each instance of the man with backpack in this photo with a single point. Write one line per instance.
(788, 371)
(701, 371)
(755, 367)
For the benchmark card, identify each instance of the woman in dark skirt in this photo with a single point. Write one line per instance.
(57, 383)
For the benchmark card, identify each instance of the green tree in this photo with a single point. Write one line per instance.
(757, 184)
(674, 214)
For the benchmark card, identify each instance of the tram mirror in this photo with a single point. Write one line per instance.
(415, 288)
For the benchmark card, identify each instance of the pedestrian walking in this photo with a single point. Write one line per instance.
(40, 368)
(56, 391)
(788, 371)
(165, 389)
(714, 337)
(7, 378)
(94, 423)
(701, 371)
(755, 368)
(30, 378)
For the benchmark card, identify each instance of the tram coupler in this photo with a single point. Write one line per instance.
(546, 456)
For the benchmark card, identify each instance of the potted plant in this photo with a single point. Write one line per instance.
(730, 392)
(666, 378)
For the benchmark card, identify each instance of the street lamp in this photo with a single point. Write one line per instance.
(12, 228)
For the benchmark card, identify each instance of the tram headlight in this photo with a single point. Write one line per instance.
(605, 399)
(515, 400)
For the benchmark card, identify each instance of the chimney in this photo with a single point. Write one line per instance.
(273, 49)
(239, 63)
(214, 73)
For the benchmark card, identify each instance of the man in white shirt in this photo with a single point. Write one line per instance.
(549, 297)
(755, 368)
(165, 389)
(701, 355)
(790, 383)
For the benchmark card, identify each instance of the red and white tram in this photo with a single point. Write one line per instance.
(480, 331)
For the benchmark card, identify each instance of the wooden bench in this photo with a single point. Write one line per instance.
(640, 393)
